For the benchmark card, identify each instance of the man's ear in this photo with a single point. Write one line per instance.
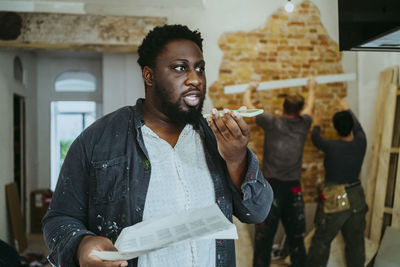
(147, 74)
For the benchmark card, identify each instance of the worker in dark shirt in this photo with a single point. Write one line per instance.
(343, 205)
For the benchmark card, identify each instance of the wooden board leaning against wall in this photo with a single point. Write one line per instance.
(383, 193)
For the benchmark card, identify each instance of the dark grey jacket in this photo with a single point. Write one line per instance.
(104, 180)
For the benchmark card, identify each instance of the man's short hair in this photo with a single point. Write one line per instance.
(343, 122)
(159, 37)
(293, 104)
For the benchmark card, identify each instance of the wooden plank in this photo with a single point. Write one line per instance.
(391, 179)
(383, 164)
(395, 78)
(385, 78)
(17, 222)
(395, 149)
(388, 210)
(396, 202)
(396, 132)
(275, 84)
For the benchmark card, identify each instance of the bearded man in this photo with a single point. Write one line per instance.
(153, 159)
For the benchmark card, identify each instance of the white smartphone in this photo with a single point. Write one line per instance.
(244, 113)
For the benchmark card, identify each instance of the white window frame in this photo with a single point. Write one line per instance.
(59, 96)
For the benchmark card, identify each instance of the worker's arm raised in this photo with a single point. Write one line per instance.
(309, 108)
(248, 94)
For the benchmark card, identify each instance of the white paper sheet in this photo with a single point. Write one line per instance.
(146, 236)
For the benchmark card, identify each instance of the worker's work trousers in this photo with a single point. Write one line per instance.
(288, 205)
(352, 224)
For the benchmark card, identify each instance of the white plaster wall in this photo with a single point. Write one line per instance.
(30, 94)
(370, 64)
(6, 159)
(8, 87)
(122, 81)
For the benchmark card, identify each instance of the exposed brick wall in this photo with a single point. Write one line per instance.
(289, 45)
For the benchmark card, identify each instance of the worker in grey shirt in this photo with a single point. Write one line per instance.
(342, 207)
(284, 141)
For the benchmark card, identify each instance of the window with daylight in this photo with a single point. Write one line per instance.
(70, 118)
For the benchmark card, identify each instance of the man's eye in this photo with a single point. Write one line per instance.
(179, 68)
(200, 69)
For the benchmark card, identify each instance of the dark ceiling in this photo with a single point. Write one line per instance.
(362, 22)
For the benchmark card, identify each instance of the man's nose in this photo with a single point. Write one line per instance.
(193, 78)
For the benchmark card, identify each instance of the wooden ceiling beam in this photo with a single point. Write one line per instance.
(79, 32)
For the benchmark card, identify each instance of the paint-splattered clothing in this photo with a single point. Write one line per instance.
(104, 180)
(288, 206)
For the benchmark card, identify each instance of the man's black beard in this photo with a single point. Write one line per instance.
(175, 113)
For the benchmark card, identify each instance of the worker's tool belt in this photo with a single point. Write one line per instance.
(335, 198)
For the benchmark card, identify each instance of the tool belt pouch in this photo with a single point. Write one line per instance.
(336, 199)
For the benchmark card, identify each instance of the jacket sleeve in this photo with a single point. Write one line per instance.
(253, 203)
(65, 222)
